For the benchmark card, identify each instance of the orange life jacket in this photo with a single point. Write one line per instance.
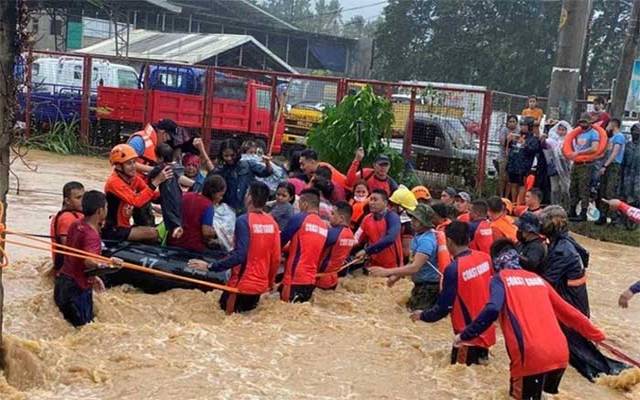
(150, 137)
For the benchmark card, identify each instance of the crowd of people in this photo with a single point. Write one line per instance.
(532, 155)
(293, 229)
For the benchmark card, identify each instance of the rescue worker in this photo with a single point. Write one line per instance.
(480, 230)
(441, 217)
(530, 314)
(580, 190)
(376, 177)
(126, 190)
(465, 291)
(531, 245)
(501, 224)
(423, 265)
(532, 203)
(462, 203)
(255, 258)
(306, 233)
(71, 211)
(565, 270)
(422, 194)
(340, 241)
(402, 201)
(380, 232)
(447, 197)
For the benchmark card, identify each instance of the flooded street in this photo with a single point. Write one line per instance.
(356, 342)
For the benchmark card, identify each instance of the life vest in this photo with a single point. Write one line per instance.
(258, 272)
(193, 206)
(444, 257)
(464, 217)
(482, 237)
(334, 256)
(337, 177)
(123, 197)
(304, 254)
(504, 227)
(56, 235)
(374, 230)
(472, 293)
(150, 137)
(535, 343)
(358, 212)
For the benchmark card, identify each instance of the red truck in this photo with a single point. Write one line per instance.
(238, 108)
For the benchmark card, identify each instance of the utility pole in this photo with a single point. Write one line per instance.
(625, 70)
(8, 53)
(565, 76)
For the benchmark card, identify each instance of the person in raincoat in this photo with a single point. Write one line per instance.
(558, 167)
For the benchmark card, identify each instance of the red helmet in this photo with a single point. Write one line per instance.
(122, 153)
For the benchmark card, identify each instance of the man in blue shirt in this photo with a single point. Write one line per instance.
(422, 268)
(610, 171)
(585, 143)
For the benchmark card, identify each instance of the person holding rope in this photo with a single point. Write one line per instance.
(422, 268)
(71, 211)
(306, 234)
(338, 246)
(73, 289)
(465, 290)
(255, 258)
(530, 314)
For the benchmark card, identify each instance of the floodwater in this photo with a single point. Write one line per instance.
(354, 343)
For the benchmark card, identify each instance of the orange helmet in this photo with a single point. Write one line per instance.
(122, 153)
(421, 192)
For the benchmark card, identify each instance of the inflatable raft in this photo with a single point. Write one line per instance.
(168, 259)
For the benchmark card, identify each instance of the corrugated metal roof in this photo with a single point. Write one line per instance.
(189, 48)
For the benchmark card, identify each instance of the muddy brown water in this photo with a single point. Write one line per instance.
(354, 343)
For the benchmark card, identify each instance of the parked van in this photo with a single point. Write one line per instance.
(53, 75)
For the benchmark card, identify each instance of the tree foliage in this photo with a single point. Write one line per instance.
(336, 137)
(505, 45)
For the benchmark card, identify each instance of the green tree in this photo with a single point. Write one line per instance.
(358, 27)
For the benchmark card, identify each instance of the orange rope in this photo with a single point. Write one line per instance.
(59, 248)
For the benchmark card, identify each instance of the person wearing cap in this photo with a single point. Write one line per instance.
(376, 177)
(580, 188)
(422, 267)
(422, 194)
(126, 190)
(402, 200)
(531, 245)
(501, 224)
(463, 206)
(465, 291)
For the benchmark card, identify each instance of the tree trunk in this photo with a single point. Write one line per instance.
(584, 82)
(565, 75)
(8, 23)
(625, 69)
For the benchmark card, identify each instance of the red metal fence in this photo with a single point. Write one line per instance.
(449, 132)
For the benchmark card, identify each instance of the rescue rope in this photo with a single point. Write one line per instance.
(618, 353)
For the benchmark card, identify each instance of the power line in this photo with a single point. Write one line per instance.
(341, 10)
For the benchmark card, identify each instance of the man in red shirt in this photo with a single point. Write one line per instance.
(465, 291)
(381, 232)
(73, 293)
(71, 211)
(339, 243)
(480, 230)
(530, 313)
(126, 190)
(255, 258)
(306, 234)
(376, 177)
